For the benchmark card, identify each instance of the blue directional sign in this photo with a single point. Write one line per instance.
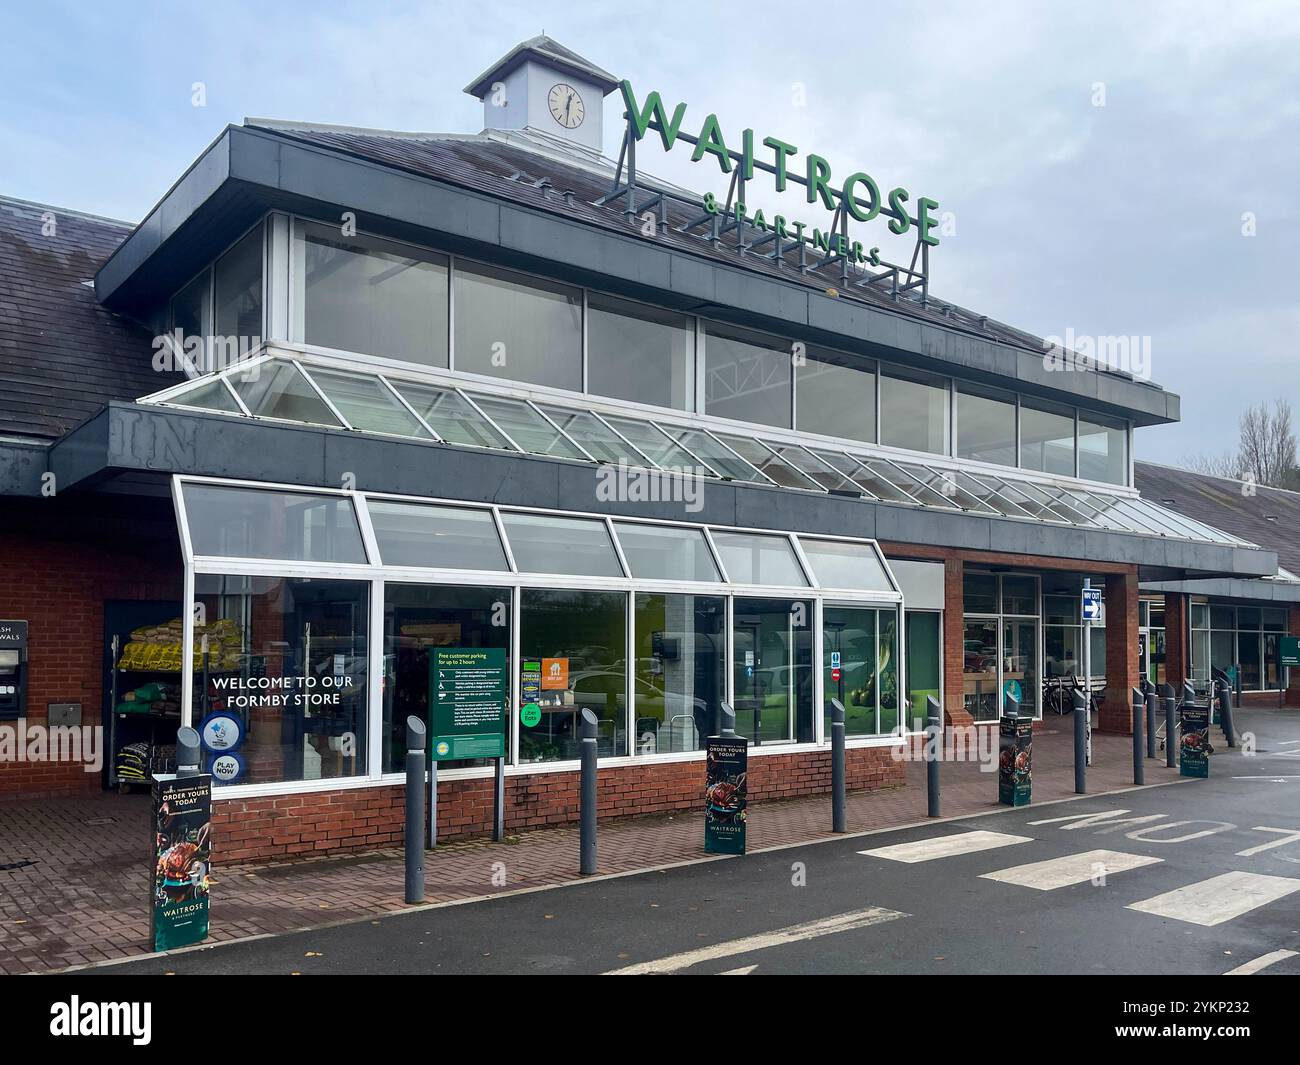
(1091, 606)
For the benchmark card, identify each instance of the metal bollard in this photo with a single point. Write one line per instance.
(1153, 704)
(414, 810)
(1080, 743)
(587, 834)
(499, 802)
(1171, 714)
(837, 766)
(187, 752)
(934, 735)
(726, 720)
(1139, 712)
(1225, 716)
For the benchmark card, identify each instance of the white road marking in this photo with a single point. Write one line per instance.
(825, 926)
(925, 850)
(1221, 898)
(1289, 836)
(1262, 962)
(744, 970)
(1071, 869)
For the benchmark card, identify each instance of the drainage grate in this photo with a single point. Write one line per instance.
(101, 821)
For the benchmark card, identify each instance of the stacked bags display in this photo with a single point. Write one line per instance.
(152, 699)
(158, 647)
(133, 763)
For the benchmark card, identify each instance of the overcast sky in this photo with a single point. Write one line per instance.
(1120, 219)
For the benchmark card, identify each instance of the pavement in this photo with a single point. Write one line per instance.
(1060, 887)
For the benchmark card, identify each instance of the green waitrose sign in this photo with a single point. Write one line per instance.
(858, 193)
(468, 694)
(1290, 648)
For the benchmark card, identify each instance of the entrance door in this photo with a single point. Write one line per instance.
(772, 677)
(1019, 658)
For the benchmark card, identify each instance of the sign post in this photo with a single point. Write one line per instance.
(726, 792)
(1090, 611)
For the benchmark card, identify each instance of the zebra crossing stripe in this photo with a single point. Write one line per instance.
(1262, 962)
(1221, 898)
(1070, 869)
(925, 850)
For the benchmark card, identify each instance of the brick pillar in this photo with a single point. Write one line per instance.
(954, 644)
(1293, 629)
(1178, 655)
(1122, 674)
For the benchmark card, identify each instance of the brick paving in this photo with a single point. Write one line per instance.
(84, 898)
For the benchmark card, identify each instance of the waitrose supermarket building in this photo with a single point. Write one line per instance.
(347, 401)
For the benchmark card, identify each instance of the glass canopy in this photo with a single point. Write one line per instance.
(279, 388)
(225, 521)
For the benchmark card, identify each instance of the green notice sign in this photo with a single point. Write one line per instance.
(468, 694)
(1290, 648)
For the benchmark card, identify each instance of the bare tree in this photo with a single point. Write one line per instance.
(1225, 465)
(1267, 447)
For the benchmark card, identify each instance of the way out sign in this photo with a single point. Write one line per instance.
(1090, 606)
(467, 702)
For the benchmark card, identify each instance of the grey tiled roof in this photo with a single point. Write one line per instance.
(1269, 517)
(62, 354)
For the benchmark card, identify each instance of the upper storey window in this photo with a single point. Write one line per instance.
(516, 327)
(1103, 450)
(833, 397)
(986, 427)
(747, 376)
(370, 296)
(640, 353)
(914, 411)
(238, 290)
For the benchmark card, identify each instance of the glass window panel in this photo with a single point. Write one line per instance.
(259, 523)
(979, 593)
(1274, 619)
(1063, 650)
(866, 477)
(1020, 664)
(680, 679)
(985, 489)
(420, 534)
(1200, 616)
(768, 462)
(275, 389)
(662, 449)
(773, 670)
(1019, 594)
(369, 295)
(238, 286)
(451, 416)
(806, 463)
(208, 395)
(1023, 496)
(573, 657)
(747, 376)
(850, 633)
(836, 396)
(923, 661)
(1223, 617)
(718, 455)
(1046, 439)
(367, 404)
(840, 564)
(516, 327)
(417, 619)
(752, 558)
(526, 427)
(1248, 617)
(595, 436)
(980, 668)
(1103, 452)
(947, 484)
(288, 656)
(543, 543)
(666, 552)
(639, 353)
(191, 319)
(986, 428)
(914, 412)
(1248, 660)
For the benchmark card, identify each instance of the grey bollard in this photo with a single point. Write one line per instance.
(1153, 705)
(837, 766)
(726, 720)
(414, 810)
(1139, 713)
(187, 752)
(1225, 716)
(1171, 726)
(934, 734)
(587, 834)
(1080, 743)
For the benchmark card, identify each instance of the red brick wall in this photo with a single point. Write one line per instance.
(364, 818)
(61, 561)
(1177, 653)
(954, 644)
(1122, 676)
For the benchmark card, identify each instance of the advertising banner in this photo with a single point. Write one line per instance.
(182, 853)
(468, 695)
(725, 794)
(1194, 744)
(1015, 760)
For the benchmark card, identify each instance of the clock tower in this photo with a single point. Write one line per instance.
(541, 86)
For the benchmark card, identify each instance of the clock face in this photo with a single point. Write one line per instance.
(566, 106)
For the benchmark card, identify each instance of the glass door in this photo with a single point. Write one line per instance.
(1019, 660)
(980, 668)
(773, 670)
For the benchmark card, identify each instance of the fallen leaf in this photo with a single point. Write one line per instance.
(313, 954)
